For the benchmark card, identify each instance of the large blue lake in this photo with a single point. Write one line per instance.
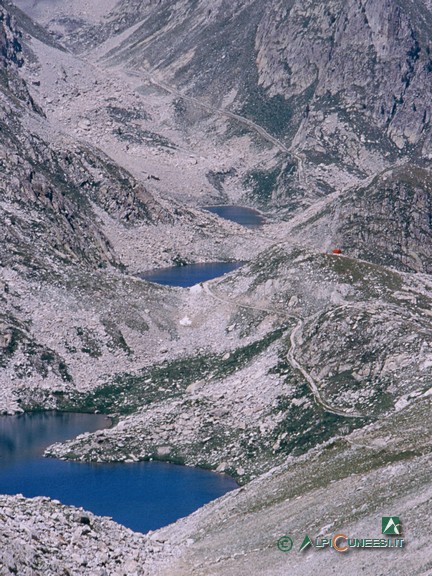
(186, 276)
(245, 216)
(143, 496)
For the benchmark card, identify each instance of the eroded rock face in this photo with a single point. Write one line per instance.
(11, 58)
(10, 47)
(36, 177)
(372, 56)
(50, 191)
(389, 222)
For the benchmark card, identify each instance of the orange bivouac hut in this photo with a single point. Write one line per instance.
(337, 251)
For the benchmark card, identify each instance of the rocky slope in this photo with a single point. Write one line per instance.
(286, 76)
(344, 343)
(72, 222)
(305, 374)
(43, 537)
(346, 486)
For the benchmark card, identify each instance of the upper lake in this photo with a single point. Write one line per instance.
(142, 496)
(245, 216)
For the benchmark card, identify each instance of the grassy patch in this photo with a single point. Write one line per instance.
(262, 184)
(126, 393)
(90, 342)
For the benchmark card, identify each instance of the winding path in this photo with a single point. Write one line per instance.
(220, 111)
(313, 387)
(207, 286)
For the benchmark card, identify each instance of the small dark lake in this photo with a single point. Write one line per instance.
(142, 496)
(245, 216)
(186, 276)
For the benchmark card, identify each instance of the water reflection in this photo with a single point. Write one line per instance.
(241, 215)
(186, 276)
(27, 435)
(143, 496)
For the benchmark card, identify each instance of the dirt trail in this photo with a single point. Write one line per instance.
(208, 289)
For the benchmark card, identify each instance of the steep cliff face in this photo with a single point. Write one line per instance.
(11, 58)
(10, 48)
(49, 184)
(369, 59)
(54, 193)
(389, 222)
(34, 182)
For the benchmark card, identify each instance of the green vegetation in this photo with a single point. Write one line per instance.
(263, 183)
(116, 338)
(127, 393)
(123, 115)
(90, 342)
(274, 114)
(136, 135)
(305, 425)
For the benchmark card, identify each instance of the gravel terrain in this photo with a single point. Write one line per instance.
(305, 374)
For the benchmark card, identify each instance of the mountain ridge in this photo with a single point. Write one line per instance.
(306, 373)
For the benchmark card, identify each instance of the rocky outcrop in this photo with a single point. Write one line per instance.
(390, 221)
(43, 537)
(11, 59)
(387, 221)
(10, 47)
(371, 58)
(362, 60)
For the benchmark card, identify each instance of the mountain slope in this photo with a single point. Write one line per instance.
(281, 65)
(306, 374)
(71, 222)
(320, 345)
(344, 87)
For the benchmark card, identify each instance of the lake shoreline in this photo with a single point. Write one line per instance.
(247, 217)
(141, 495)
(188, 275)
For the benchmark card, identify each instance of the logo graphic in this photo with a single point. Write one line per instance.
(305, 544)
(391, 525)
(285, 544)
(340, 542)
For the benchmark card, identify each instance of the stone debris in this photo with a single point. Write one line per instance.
(280, 374)
(41, 537)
